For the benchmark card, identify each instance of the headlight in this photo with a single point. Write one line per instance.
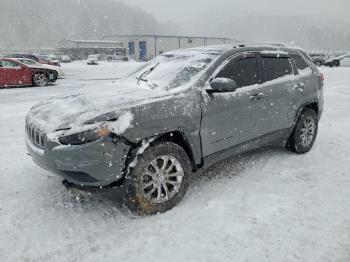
(84, 137)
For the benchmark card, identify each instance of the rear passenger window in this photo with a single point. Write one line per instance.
(276, 67)
(243, 71)
(300, 64)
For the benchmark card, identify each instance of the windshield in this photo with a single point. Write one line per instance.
(172, 70)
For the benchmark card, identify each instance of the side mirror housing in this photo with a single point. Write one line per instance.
(222, 85)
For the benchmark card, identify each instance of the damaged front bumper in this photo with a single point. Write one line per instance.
(95, 164)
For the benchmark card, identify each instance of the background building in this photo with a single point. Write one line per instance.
(145, 47)
(81, 49)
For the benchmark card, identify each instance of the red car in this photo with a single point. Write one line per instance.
(15, 73)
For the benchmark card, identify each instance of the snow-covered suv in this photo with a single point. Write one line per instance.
(181, 112)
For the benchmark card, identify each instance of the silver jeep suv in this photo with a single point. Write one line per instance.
(181, 112)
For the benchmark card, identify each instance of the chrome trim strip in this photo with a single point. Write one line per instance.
(34, 148)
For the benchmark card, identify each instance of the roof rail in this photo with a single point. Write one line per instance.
(243, 44)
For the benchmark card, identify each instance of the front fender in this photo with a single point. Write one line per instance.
(180, 114)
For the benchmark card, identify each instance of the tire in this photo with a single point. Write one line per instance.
(304, 133)
(165, 189)
(55, 76)
(40, 80)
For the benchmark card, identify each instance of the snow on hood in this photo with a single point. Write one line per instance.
(75, 110)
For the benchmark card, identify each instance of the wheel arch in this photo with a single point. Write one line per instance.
(177, 137)
(37, 72)
(314, 105)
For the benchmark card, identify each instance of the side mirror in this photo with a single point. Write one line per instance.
(222, 85)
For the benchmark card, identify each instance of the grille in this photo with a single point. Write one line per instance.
(35, 135)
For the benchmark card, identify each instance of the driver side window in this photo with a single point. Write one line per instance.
(244, 71)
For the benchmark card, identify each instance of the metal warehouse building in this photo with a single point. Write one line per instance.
(145, 47)
(81, 49)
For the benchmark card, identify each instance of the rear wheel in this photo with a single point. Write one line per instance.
(40, 80)
(159, 180)
(305, 132)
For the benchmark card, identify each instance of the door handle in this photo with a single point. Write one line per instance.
(257, 97)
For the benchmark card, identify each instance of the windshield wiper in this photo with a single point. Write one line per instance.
(141, 77)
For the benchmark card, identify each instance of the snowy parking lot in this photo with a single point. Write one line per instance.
(267, 205)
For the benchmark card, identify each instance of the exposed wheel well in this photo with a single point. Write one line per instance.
(313, 106)
(180, 139)
(175, 137)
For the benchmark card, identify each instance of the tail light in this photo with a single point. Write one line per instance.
(321, 80)
(322, 77)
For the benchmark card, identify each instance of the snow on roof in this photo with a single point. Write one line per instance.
(273, 52)
(214, 48)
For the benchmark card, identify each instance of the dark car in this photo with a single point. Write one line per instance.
(343, 60)
(64, 59)
(183, 111)
(318, 59)
(15, 73)
(34, 58)
(50, 59)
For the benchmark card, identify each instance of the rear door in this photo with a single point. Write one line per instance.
(9, 75)
(278, 84)
(230, 119)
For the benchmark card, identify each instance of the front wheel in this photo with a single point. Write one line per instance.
(159, 179)
(40, 80)
(305, 132)
(54, 76)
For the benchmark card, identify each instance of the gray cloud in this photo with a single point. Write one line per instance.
(312, 24)
(179, 10)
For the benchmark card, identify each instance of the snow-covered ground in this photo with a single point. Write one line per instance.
(268, 205)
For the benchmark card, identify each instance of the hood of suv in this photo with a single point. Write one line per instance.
(76, 110)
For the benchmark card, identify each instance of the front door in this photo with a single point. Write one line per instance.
(231, 119)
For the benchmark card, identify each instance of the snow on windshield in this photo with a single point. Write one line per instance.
(173, 70)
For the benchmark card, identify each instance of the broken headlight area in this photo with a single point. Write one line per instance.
(84, 137)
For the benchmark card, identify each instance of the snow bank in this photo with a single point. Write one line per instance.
(267, 205)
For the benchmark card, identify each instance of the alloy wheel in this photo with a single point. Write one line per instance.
(41, 80)
(162, 179)
(307, 131)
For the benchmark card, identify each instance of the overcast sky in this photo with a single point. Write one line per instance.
(179, 10)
